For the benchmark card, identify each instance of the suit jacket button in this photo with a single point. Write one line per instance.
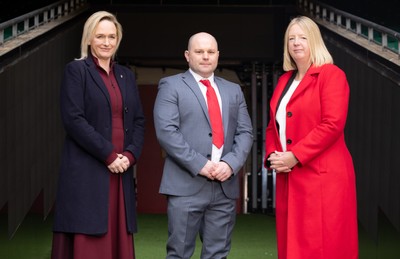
(289, 141)
(126, 109)
(210, 134)
(289, 114)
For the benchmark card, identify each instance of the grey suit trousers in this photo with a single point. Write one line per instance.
(208, 213)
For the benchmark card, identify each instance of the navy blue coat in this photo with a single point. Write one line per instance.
(83, 184)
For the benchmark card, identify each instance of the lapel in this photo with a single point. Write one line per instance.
(308, 79)
(286, 81)
(121, 78)
(287, 86)
(224, 93)
(279, 91)
(189, 80)
(96, 77)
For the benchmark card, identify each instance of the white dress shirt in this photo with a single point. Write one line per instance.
(281, 113)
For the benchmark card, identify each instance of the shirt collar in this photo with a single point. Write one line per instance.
(197, 77)
(96, 61)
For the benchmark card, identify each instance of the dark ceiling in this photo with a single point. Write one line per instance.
(13, 8)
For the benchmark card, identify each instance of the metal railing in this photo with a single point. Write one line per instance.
(27, 22)
(386, 38)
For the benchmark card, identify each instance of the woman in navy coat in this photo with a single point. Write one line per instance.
(95, 214)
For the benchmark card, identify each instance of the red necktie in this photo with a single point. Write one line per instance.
(215, 115)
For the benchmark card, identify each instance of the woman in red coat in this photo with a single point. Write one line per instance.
(316, 205)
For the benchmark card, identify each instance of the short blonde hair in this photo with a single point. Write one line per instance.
(319, 54)
(90, 27)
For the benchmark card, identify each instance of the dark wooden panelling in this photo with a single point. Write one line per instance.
(372, 131)
(3, 140)
(31, 133)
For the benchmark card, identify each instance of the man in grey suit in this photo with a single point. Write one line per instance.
(200, 177)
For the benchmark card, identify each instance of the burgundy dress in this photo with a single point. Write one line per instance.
(117, 243)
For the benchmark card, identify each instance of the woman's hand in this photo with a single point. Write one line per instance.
(119, 165)
(282, 162)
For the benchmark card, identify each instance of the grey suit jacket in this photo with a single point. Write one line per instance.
(184, 131)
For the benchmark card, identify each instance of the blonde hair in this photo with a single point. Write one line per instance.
(319, 54)
(90, 27)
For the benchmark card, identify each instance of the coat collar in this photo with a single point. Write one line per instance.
(190, 81)
(118, 73)
(308, 78)
(93, 70)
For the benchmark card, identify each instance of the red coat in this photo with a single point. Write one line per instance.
(316, 202)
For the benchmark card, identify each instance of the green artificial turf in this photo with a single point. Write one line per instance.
(31, 241)
(253, 238)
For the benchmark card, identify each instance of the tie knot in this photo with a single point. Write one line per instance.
(205, 82)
